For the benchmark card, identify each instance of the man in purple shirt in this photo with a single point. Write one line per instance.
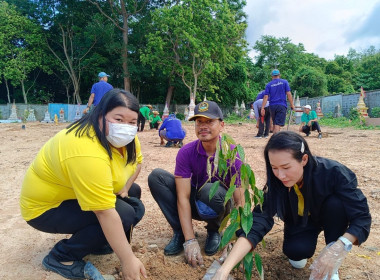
(276, 92)
(181, 196)
(98, 90)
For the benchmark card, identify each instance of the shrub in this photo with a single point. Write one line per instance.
(353, 114)
(375, 112)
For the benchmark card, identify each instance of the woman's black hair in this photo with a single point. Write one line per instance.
(112, 99)
(277, 192)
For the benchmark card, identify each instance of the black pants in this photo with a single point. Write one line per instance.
(300, 242)
(265, 124)
(87, 234)
(154, 125)
(163, 189)
(140, 122)
(314, 126)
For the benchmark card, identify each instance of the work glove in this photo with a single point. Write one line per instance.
(193, 252)
(328, 261)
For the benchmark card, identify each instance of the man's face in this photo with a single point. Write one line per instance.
(307, 111)
(208, 129)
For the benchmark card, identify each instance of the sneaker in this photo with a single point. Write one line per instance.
(258, 136)
(320, 136)
(175, 245)
(77, 270)
(307, 134)
(298, 264)
(169, 144)
(266, 136)
(212, 243)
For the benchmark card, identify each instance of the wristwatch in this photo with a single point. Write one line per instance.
(347, 243)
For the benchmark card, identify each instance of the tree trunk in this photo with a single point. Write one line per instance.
(23, 91)
(169, 94)
(8, 94)
(127, 82)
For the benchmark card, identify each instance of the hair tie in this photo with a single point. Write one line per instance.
(302, 147)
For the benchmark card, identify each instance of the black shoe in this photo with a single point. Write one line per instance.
(320, 136)
(175, 245)
(212, 243)
(307, 134)
(169, 144)
(258, 136)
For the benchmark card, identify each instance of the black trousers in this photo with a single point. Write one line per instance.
(265, 124)
(314, 126)
(300, 242)
(87, 234)
(140, 122)
(163, 189)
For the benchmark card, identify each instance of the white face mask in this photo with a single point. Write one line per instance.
(120, 134)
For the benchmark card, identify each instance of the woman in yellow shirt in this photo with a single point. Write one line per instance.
(82, 183)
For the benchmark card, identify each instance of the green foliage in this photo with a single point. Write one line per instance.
(195, 39)
(309, 82)
(353, 114)
(344, 122)
(241, 217)
(234, 118)
(375, 112)
(180, 116)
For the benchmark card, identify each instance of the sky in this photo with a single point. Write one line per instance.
(324, 27)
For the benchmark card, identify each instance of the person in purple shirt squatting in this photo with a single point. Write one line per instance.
(182, 195)
(98, 90)
(276, 92)
(172, 131)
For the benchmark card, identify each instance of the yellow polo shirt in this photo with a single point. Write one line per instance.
(69, 167)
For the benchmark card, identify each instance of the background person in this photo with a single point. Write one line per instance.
(262, 122)
(156, 120)
(276, 92)
(98, 90)
(176, 194)
(309, 122)
(310, 194)
(79, 182)
(144, 114)
(172, 131)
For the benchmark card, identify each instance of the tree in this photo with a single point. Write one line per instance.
(21, 46)
(310, 82)
(197, 40)
(125, 10)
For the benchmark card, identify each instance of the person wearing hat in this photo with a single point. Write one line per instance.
(184, 195)
(309, 122)
(98, 90)
(156, 120)
(276, 92)
(144, 114)
(172, 131)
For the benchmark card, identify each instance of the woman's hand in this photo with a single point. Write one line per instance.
(193, 252)
(132, 269)
(328, 261)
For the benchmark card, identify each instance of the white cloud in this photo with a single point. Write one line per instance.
(325, 27)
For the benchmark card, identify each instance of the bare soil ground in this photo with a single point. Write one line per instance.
(22, 248)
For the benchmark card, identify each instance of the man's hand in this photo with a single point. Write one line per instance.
(193, 252)
(85, 111)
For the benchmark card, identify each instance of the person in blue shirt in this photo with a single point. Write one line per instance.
(98, 90)
(172, 131)
(261, 121)
(276, 92)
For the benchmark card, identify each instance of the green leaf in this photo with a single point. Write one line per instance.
(259, 266)
(248, 265)
(247, 196)
(241, 152)
(223, 224)
(229, 194)
(213, 190)
(246, 220)
(234, 215)
(263, 243)
(229, 234)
